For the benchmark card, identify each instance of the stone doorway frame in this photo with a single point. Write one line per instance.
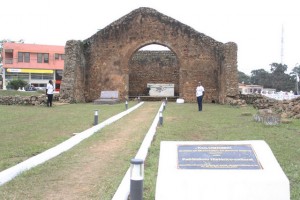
(156, 43)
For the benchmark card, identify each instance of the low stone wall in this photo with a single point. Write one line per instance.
(243, 99)
(287, 108)
(250, 98)
(40, 100)
(235, 102)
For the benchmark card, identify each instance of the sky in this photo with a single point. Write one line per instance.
(256, 26)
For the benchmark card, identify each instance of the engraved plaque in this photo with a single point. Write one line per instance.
(241, 157)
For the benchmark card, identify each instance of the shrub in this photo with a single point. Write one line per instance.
(16, 84)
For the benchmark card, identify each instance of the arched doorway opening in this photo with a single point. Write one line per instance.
(153, 64)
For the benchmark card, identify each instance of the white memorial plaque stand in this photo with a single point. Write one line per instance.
(219, 170)
(161, 90)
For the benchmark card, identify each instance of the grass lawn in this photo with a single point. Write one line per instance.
(92, 169)
(221, 122)
(20, 93)
(28, 130)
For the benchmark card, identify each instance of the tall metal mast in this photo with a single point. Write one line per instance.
(282, 45)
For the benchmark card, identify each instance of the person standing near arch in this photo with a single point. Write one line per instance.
(199, 94)
(49, 93)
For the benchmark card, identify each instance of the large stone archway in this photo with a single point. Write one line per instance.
(149, 66)
(101, 62)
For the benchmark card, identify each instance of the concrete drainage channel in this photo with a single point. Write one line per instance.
(10, 173)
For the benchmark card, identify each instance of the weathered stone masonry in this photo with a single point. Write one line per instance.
(102, 62)
(152, 67)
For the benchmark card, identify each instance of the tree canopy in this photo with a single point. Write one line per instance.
(277, 78)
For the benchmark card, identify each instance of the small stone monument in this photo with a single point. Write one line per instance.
(214, 170)
(108, 97)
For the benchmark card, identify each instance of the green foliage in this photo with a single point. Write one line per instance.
(33, 134)
(296, 69)
(27, 131)
(261, 77)
(16, 84)
(278, 68)
(277, 79)
(19, 93)
(243, 78)
(1, 48)
(296, 72)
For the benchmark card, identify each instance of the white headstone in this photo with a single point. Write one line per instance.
(214, 170)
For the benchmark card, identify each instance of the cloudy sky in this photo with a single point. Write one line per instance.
(255, 25)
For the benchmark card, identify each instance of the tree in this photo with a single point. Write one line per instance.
(16, 84)
(279, 79)
(1, 47)
(296, 69)
(260, 77)
(278, 68)
(296, 72)
(243, 78)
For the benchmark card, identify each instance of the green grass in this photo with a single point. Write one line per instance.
(28, 130)
(78, 161)
(19, 93)
(219, 122)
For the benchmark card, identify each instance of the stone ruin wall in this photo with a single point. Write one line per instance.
(152, 67)
(102, 62)
(34, 100)
(73, 84)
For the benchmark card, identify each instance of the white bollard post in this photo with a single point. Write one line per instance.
(161, 118)
(96, 117)
(136, 179)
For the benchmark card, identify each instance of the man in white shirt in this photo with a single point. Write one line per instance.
(199, 94)
(49, 92)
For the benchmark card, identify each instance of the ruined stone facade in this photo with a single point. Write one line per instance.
(103, 61)
(152, 67)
